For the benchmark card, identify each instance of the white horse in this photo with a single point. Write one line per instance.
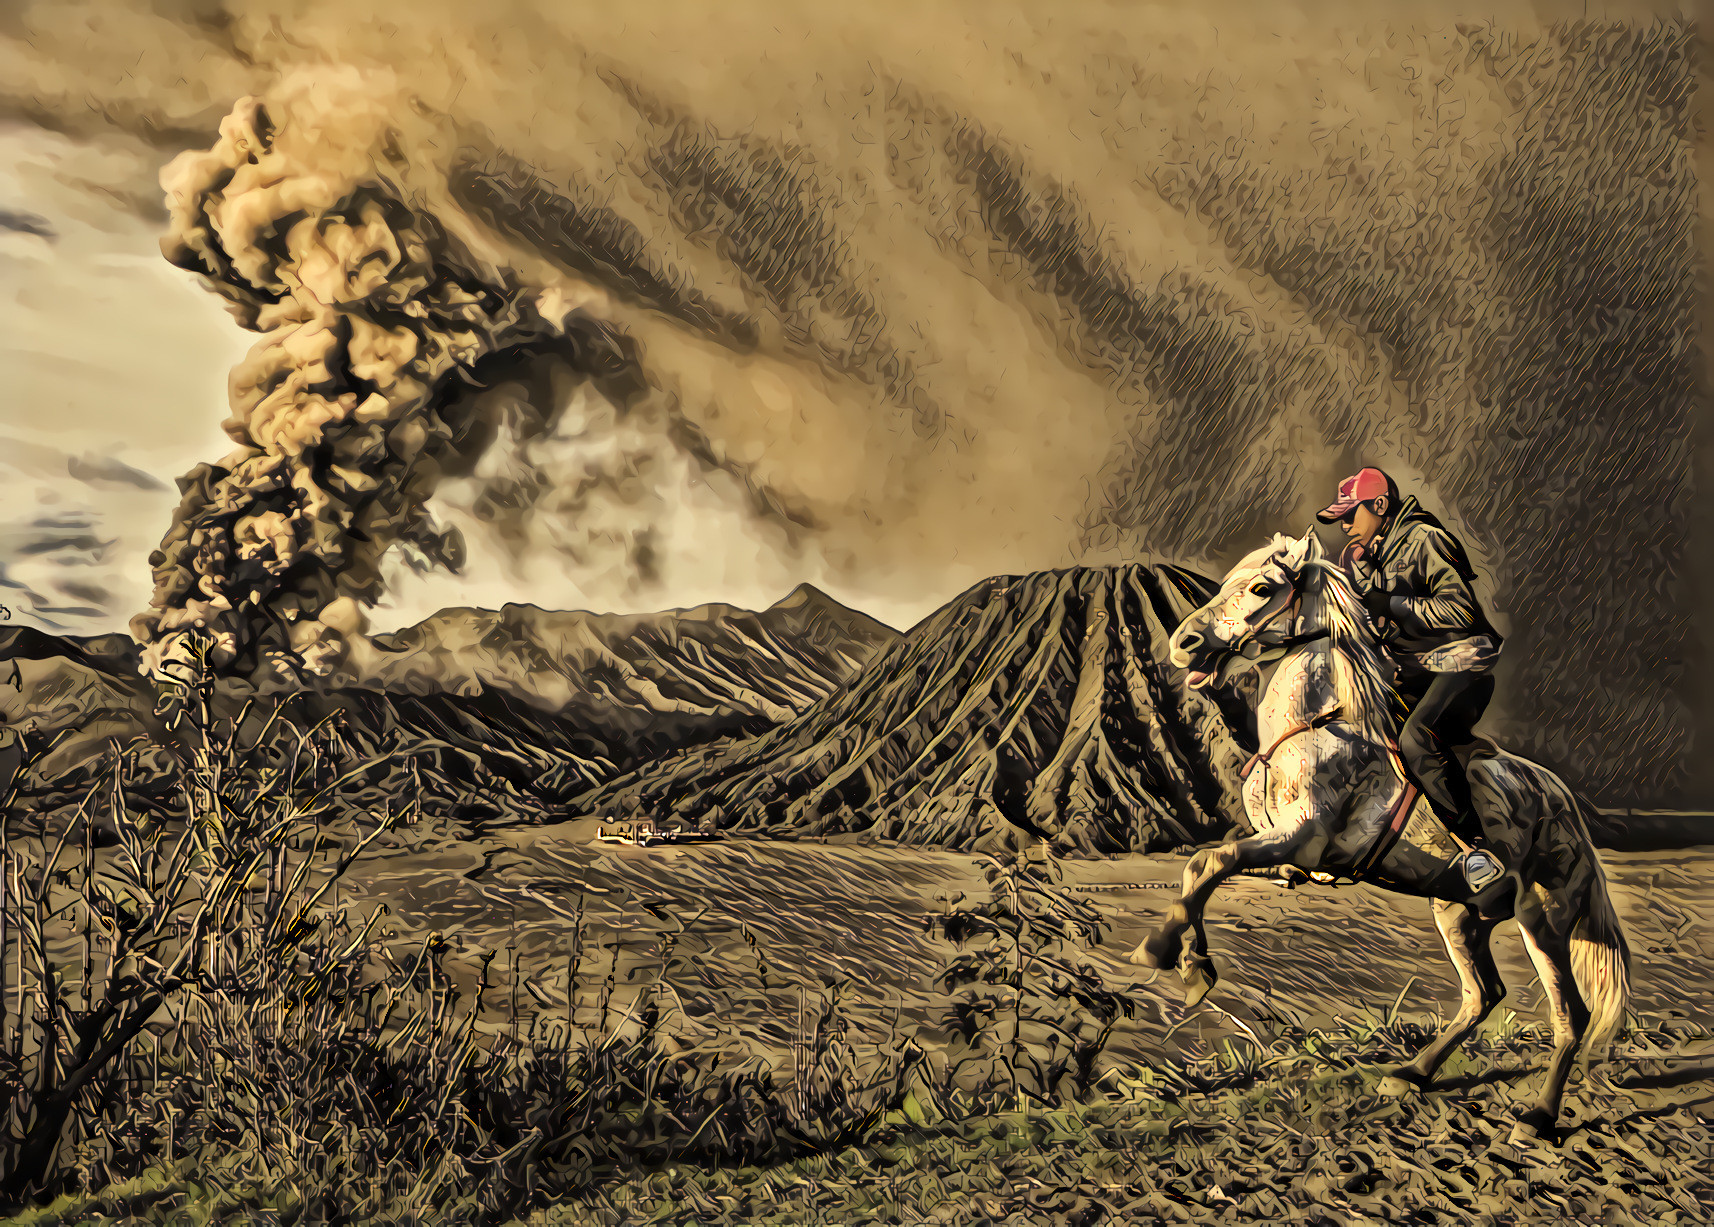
(1328, 796)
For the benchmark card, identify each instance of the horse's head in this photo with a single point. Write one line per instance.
(1248, 615)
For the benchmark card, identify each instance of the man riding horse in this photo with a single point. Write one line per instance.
(1325, 796)
(1416, 581)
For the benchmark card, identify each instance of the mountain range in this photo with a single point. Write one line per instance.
(1038, 705)
(511, 711)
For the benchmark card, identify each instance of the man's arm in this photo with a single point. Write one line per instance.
(1450, 603)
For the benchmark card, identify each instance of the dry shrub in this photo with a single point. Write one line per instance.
(193, 997)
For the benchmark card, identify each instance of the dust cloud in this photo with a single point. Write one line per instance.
(911, 295)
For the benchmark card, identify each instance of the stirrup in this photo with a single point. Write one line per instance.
(1481, 870)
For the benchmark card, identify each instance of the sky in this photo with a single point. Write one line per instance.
(113, 361)
(118, 362)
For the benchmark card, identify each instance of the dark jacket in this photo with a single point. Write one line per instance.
(1431, 580)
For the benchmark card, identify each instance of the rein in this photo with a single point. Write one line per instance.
(1326, 718)
(1404, 804)
(1295, 605)
(1289, 642)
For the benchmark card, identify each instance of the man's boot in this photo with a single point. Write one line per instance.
(1484, 871)
(1481, 869)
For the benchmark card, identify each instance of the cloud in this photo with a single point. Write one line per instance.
(23, 222)
(99, 470)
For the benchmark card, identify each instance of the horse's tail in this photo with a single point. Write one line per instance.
(1600, 959)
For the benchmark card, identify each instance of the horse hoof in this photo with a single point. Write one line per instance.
(1154, 954)
(1393, 1086)
(1199, 978)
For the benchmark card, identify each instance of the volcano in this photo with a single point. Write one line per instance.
(1032, 706)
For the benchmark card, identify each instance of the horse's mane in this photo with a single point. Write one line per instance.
(1363, 672)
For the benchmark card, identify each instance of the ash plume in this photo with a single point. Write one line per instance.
(379, 330)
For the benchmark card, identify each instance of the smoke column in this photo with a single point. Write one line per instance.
(378, 327)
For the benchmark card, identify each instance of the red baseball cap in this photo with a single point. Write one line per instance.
(1367, 484)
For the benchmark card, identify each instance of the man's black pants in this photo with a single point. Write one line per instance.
(1444, 714)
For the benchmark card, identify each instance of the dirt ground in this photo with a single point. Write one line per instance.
(752, 921)
(1263, 1105)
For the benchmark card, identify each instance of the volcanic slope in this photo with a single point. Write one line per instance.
(1035, 705)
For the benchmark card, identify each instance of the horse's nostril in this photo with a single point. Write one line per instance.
(1190, 642)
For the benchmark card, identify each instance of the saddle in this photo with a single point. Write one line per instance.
(1466, 753)
(1397, 818)
(1399, 815)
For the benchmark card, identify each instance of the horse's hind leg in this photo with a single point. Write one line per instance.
(1466, 936)
(1551, 954)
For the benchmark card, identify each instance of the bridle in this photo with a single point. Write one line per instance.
(1285, 645)
(1270, 652)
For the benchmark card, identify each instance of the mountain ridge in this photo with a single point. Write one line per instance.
(517, 709)
(704, 661)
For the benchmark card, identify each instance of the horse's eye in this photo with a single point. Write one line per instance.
(1261, 588)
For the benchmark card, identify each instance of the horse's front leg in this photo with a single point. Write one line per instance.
(1207, 869)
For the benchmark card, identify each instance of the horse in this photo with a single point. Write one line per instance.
(1330, 797)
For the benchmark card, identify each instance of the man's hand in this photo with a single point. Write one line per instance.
(1378, 601)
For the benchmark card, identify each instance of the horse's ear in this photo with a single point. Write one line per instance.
(1312, 551)
(1294, 553)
